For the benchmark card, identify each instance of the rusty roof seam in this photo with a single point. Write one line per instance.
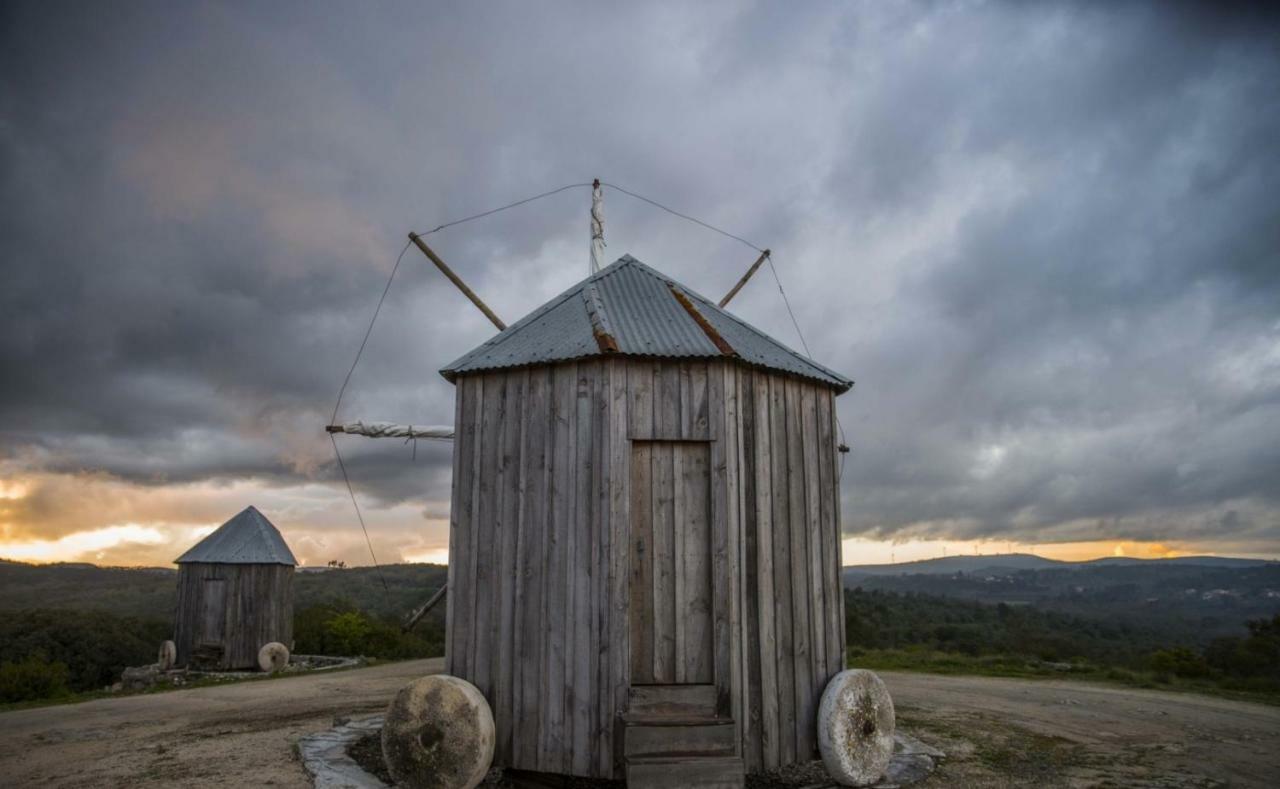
(599, 319)
(707, 328)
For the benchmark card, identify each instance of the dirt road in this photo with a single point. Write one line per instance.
(237, 735)
(1010, 732)
(998, 732)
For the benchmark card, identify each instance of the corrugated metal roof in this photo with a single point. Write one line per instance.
(639, 312)
(248, 538)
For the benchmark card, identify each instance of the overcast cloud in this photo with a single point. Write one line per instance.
(1043, 239)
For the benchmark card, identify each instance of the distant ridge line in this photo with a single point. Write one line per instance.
(1027, 561)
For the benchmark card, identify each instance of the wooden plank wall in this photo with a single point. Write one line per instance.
(530, 616)
(259, 609)
(539, 569)
(792, 614)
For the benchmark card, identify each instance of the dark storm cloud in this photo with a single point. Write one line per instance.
(1042, 239)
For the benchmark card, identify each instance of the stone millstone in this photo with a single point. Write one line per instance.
(273, 657)
(168, 655)
(438, 734)
(855, 727)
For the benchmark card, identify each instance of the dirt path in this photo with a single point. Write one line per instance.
(998, 732)
(237, 735)
(1009, 732)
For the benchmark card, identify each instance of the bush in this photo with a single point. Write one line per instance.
(1180, 662)
(1257, 655)
(92, 647)
(339, 628)
(347, 633)
(31, 679)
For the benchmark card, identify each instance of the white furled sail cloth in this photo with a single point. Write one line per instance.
(597, 228)
(393, 430)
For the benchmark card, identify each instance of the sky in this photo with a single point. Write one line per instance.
(1044, 240)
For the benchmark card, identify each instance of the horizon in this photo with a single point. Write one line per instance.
(844, 564)
(1054, 285)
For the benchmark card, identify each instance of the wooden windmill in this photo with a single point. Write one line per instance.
(644, 547)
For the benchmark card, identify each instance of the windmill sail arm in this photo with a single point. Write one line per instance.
(393, 430)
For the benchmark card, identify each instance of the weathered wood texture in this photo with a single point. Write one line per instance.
(530, 554)
(238, 607)
(792, 629)
(543, 575)
(670, 615)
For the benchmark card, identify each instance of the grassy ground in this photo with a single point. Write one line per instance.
(933, 662)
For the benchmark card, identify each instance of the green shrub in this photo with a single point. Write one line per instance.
(1256, 655)
(93, 646)
(339, 628)
(32, 679)
(1180, 662)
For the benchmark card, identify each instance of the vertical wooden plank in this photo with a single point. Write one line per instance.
(685, 426)
(752, 721)
(699, 419)
(834, 594)
(638, 385)
(533, 570)
(468, 618)
(458, 647)
(679, 578)
(642, 572)
(507, 526)
(666, 401)
(457, 501)
(784, 611)
(694, 611)
(728, 436)
(617, 484)
(771, 679)
(836, 507)
(484, 538)
(519, 584)
(817, 565)
(805, 703)
(663, 521)
(581, 705)
(709, 409)
(559, 526)
(603, 646)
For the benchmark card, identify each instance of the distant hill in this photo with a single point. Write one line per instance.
(955, 564)
(1198, 597)
(949, 565)
(1186, 561)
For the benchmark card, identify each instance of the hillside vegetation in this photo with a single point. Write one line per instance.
(151, 592)
(72, 628)
(1184, 601)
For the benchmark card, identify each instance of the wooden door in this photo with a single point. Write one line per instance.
(213, 611)
(670, 611)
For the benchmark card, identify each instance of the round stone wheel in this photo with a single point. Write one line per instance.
(273, 657)
(855, 727)
(438, 734)
(168, 655)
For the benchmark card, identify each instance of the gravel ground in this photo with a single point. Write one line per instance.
(996, 732)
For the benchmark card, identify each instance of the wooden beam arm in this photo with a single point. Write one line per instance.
(422, 611)
(751, 271)
(456, 280)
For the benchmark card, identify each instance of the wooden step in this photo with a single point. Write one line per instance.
(697, 772)
(671, 737)
(672, 699)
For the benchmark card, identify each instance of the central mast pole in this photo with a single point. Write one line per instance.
(597, 227)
